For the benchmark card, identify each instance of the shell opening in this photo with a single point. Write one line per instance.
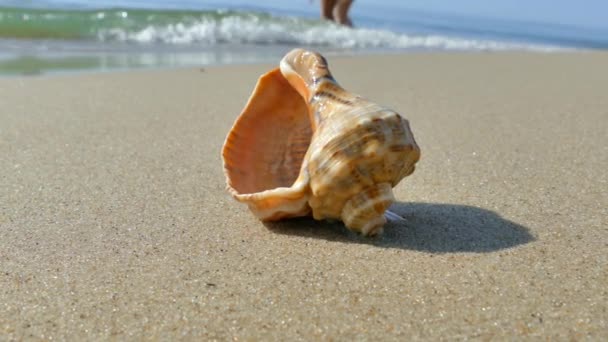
(266, 147)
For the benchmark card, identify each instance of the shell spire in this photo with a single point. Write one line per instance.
(303, 145)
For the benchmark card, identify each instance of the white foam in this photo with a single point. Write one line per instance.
(252, 30)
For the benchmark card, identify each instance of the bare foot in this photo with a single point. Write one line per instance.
(340, 12)
(327, 9)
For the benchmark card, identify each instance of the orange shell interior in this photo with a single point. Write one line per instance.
(267, 144)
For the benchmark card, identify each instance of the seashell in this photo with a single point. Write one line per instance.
(305, 146)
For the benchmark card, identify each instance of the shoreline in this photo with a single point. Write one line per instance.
(115, 222)
(112, 62)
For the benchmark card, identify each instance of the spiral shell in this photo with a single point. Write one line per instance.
(305, 146)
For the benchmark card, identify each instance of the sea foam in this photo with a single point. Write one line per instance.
(252, 30)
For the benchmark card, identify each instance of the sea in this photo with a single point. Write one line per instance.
(46, 36)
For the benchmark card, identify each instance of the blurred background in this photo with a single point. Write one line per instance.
(50, 36)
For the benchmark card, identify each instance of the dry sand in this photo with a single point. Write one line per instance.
(114, 221)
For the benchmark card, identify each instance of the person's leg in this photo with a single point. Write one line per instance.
(341, 12)
(327, 9)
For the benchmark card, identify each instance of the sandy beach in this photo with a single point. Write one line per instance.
(115, 222)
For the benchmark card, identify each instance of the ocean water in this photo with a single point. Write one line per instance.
(57, 36)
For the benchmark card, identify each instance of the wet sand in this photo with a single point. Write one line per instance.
(115, 224)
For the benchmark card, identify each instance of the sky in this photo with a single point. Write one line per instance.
(581, 13)
(584, 13)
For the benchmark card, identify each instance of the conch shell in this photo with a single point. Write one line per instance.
(303, 145)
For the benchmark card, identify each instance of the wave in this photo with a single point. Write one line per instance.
(215, 27)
